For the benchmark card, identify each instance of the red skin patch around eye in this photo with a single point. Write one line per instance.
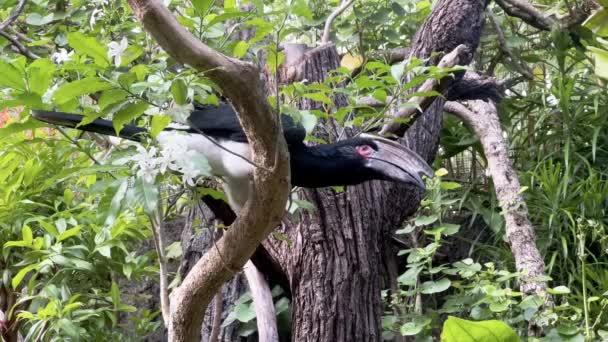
(364, 151)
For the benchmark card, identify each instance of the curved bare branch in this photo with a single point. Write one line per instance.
(240, 82)
(330, 20)
(13, 16)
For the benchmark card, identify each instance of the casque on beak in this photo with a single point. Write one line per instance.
(397, 162)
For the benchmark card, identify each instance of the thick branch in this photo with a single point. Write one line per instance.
(330, 20)
(240, 83)
(483, 119)
(418, 104)
(528, 13)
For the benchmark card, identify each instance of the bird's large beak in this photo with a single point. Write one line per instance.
(397, 162)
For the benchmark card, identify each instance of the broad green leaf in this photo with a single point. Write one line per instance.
(425, 220)
(89, 46)
(50, 228)
(11, 76)
(244, 312)
(21, 274)
(174, 250)
(460, 330)
(36, 19)
(131, 53)
(68, 233)
(397, 71)
(598, 22)
(159, 122)
(28, 237)
(429, 287)
(40, 74)
(319, 97)
(240, 49)
(115, 294)
(559, 290)
(127, 114)
(449, 185)
(179, 90)
(147, 195)
(601, 61)
(81, 87)
(111, 96)
(202, 6)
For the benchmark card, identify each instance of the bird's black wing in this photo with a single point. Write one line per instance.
(221, 122)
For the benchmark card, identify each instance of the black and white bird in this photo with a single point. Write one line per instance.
(347, 162)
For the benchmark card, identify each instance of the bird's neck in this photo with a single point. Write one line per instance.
(324, 165)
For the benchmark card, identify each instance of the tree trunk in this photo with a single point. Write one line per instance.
(342, 250)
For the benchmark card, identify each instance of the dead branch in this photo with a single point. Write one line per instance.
(240, 83)
(262, 303)
(419, 103)
(482, 118)
(330, 20)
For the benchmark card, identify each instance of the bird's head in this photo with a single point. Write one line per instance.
(388, 160)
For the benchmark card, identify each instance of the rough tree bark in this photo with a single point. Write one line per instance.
(340, 250)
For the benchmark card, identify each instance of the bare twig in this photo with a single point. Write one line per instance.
(20, 47)
(156, 219)
(521, 67)
(13, 16)
(330, 20)
(482, 118)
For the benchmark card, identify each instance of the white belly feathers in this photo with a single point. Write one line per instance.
(236, 172)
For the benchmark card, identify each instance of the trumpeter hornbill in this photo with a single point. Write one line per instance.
(347, 162)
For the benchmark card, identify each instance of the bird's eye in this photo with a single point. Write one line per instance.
(365, 150)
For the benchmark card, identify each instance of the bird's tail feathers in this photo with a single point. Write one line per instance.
(97, 126)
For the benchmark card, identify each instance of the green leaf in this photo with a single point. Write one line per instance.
(559, 290)
(179, 90)
(202, 6)
(319, 97)
(21, 274)
(81, 87)
(36, 19)
(397, 71)
(131, 53)
(89, 46)
(460, 330)
(28, 237)
(50, 228)
(146, 194)
(159, 122)
(174, 250)
(127, 114)
(240, 49)
(40, 74)
(449, 185)
(11, 77)
(601, 61)
(111, 96)
(244, 312)
(598, 22)
(68, 233)
(429, 287)
(115, 294)
(425, 220)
